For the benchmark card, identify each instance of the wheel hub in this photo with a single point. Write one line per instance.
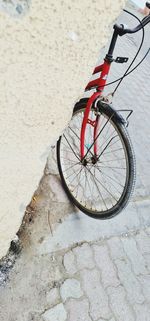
(92, 160)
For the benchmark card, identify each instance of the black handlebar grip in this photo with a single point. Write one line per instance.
(121, 30)
(147, 5)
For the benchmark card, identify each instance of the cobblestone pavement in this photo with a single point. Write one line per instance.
(73, 268)
(91, 281)
(105, 281)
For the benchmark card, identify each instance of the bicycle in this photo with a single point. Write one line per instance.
(95, 156)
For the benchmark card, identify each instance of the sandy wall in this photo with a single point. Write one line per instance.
(46, 58)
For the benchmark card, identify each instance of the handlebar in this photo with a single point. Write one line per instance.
(121, 30)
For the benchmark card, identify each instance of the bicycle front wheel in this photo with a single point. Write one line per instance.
(103, 188)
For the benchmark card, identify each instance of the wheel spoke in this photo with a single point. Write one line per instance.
(99, 184)
(97, 136)
(111, 160)
(71, 148)
(67, 169)
(110, 177)
(115, 150)
(111, 183)
(96, 179)
(95, 185)
(106, 146)
(79, 139)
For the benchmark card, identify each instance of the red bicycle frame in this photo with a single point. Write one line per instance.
(99, 84)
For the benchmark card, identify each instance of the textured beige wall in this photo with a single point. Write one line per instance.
(46, 59)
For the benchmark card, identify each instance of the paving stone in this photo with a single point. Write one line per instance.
(116, 248)
(98, 298)
(71, 289)
(147, 231)
(135, 257)
(142, 312)
(129, 281)
(119, 305)
(106, 266)
(143, 242)
(69, 263)
(145, 282)
(53, 297)
(143, 207)
(105, 320)
(84, 257)
(58, 313)
(147, 260)
(78, 310)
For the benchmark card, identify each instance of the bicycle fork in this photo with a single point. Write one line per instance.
(93, 123)
(100, 83)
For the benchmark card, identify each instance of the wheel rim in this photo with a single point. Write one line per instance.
(100, 187)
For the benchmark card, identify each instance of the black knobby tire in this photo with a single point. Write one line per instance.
(129, 180)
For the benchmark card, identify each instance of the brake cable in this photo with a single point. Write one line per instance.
(127, 71)
(140, 47)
